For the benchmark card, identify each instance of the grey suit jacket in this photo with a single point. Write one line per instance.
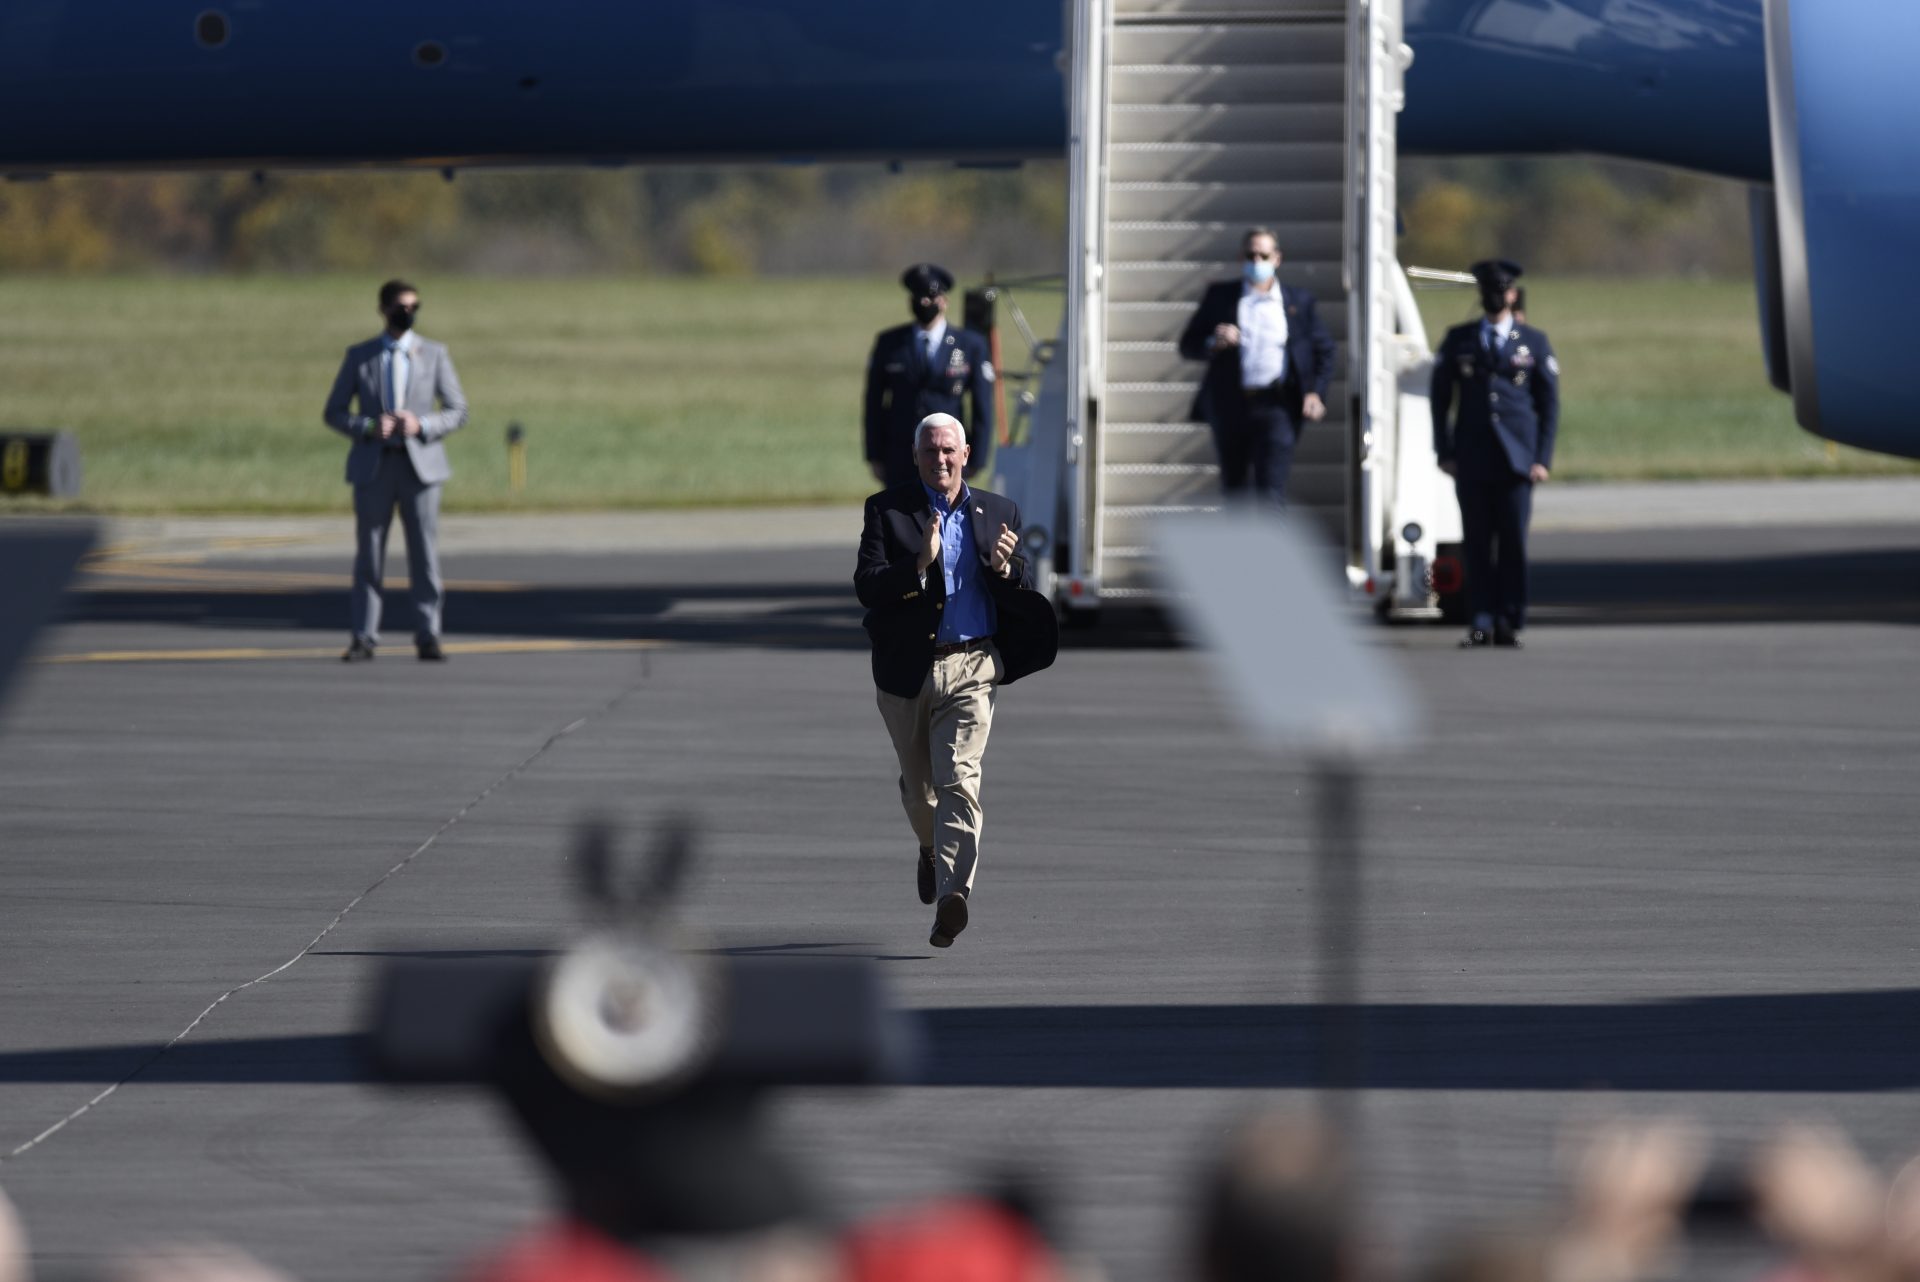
(431, 378)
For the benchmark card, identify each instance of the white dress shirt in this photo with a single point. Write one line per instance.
(1263, 336)
(396, 367)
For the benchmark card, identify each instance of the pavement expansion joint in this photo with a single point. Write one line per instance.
(513, 772)
(214, 654)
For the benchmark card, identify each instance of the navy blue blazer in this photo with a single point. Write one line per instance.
(1509, 404)
(1310, 350)
(903, 388)
(903, 617)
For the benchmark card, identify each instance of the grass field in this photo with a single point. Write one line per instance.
(1665, 379)
(203, 394)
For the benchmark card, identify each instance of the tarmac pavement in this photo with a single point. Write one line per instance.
(1659, 860)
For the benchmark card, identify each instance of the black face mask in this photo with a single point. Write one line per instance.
(1493, 301)
(400, 320)
(925, 309)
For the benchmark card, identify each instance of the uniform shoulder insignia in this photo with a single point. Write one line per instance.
(986, 370)
(1553, 365)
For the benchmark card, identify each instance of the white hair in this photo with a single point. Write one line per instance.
(932, 421)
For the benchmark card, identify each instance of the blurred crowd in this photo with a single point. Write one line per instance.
(1277, 1205)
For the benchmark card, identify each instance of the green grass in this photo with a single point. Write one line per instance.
(1665, 379)
(203, 394)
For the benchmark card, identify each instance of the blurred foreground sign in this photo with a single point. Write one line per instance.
(1284, 646)
(35, 564)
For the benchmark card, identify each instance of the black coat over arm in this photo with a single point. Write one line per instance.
(903, 616)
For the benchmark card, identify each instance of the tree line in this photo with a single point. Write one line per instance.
(1564, 215)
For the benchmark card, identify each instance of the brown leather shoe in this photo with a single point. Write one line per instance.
(949, 919)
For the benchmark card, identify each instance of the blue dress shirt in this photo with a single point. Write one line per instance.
(969, 612)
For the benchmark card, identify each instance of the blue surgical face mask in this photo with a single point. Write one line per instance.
(1257, 271)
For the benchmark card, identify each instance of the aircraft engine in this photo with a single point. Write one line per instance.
(1837, 236)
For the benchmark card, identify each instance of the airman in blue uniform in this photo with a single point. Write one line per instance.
(1497, 447)
(928, 367)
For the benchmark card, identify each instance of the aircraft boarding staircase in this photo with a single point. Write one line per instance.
(1193, 120)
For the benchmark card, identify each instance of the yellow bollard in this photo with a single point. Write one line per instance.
(516, 458)
(13, 465)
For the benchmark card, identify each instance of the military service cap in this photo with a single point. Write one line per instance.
(1497, 273)
(924, 280)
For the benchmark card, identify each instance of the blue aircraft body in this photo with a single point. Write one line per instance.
(128, 84)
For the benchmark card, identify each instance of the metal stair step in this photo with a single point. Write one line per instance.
(1275, 203)
(1184, 281)
(1128, 571)
(1132, 524)
(1155, 84)
(1191, 444)
(1125, 11)
(1172, 402)
(1128, 485)
(1143, 552)
(1164, 321)
(1143, 361)
(1307, 482)
(1131, 527)
(1128, 533)
(1157, 443)
(1229, 43)
(1251, 122)
(1227, 162)
(1216, 240)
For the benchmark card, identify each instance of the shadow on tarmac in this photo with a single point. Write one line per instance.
(1864, 586)
(796, 615)
(1834, 1042)
(1646, 586)
(1789, 1042)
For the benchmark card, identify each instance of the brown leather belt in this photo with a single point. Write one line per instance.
(959, 647)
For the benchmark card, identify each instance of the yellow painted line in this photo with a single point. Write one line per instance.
(109, 550)
(548, 646)
(270, 541)
(151, 549)
(262, 580)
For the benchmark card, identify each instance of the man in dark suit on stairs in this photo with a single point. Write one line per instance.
(1269, 363)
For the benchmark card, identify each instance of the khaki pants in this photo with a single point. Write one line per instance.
(940, 735)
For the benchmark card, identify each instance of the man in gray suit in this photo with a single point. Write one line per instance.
(397, 459)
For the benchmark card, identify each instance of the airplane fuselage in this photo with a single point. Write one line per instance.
(270, 83)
